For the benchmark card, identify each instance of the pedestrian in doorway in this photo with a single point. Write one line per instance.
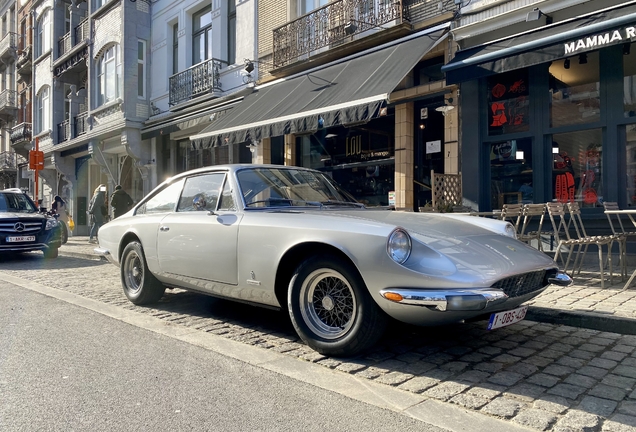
(59, 208)
(120, 201)
(98, 212)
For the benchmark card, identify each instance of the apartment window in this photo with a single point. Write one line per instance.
(44, 34)
(202, 35)
(175, 49)
(43, 111)
(109, 75)
(307, 6)
(141, 69)
(231, 31)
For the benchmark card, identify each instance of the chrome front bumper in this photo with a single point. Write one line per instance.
(104, 253)
(470, 299)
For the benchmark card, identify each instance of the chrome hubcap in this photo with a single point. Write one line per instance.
(327, 304)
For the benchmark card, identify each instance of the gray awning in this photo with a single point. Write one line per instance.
(350, 91)
(569, 38)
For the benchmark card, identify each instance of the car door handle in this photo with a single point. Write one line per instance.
(164, 228)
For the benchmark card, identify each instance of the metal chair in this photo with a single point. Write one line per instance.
(619, 231)
(512, 213)
(531, 212)
(586, 240)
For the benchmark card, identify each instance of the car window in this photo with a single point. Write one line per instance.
(164, 201)
(17, 203)
(201, 193)
(227, 201)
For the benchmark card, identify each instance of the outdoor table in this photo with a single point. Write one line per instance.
(630, 213)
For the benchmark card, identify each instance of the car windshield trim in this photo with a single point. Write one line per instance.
(273, 187)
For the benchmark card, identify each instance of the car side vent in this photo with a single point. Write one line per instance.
(522, 284)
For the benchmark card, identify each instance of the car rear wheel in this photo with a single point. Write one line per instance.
(331, 308)
(140, 286)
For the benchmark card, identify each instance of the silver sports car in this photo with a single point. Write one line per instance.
(289, 237)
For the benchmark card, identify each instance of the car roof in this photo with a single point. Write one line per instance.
(12, 190)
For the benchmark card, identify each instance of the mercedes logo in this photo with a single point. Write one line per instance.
(19, 227)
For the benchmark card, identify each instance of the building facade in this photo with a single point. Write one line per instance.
(547, 102)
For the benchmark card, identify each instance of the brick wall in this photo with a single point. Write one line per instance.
(271, 14)
(107, 29)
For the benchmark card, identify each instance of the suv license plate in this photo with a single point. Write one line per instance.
(16, 239)
(502, 319)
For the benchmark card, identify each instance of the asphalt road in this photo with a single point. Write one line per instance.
(63, 367)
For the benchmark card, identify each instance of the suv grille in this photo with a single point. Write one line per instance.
(522, 284)
(29, 227)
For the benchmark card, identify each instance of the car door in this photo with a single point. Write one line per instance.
(199, 240)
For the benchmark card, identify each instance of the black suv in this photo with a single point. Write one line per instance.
(23, 228)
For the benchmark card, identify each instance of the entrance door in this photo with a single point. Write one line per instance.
(429, 149)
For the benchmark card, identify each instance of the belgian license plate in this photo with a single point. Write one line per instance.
(502, 319)
(15, 239)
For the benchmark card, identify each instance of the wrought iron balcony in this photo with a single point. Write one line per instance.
(199, 79)
(8, 99)
(64, 131)
(65, 44)
(7, 161)
(8, 45)
(329, 26)
(20, 133)
(24, 63)
(81, 124)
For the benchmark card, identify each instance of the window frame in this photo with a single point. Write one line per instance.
(141, 69)
(109, 60)
(43, 110)
(205, 31)
(231, 32)
(43, 34)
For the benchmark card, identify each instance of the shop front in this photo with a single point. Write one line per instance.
(550, 115)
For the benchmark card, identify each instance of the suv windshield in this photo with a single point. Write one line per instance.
(16, 203)
(273, 187)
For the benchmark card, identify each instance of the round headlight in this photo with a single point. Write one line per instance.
(399, 246)
(511, 231)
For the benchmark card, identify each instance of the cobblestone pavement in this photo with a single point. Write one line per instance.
(546, 377)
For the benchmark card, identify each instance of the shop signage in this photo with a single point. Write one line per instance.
(433, 146)
(392, 198)
(600, 40)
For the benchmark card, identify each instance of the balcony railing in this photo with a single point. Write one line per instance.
(8, 45)
(21, 132)
(81, 124)
(81, 31)
(8, 99)
(65, 43)
(195, 81)
(64, 131)
(325, 27)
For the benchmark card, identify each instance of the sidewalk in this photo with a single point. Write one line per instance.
(583, 304)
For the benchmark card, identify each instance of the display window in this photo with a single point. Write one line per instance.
(508, 103)
(360, 159)
(631, 165)
(511, 172)
(577, 169)
(575, 90)
(629, 80)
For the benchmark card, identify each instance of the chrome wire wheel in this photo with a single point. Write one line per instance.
(134, 273)
(327, 304)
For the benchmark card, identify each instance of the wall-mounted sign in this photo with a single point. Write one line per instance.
(392, 198)
(598, 40)
(433, 146)
(423, 113)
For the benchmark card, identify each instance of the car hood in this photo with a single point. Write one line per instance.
(16, 215)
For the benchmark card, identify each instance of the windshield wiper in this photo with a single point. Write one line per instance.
(268, 200)
(347, 203)
(291, 202)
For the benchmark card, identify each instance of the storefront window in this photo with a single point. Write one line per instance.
(574, 89)
(631, 165)
(629, 80)
(577, 173)
(508, 103)
(360, 160)
(511, 172)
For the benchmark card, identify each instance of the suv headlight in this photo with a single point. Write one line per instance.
(399, 246)
(50, 223)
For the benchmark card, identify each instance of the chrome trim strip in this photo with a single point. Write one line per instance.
(561, 279)
(438, 299)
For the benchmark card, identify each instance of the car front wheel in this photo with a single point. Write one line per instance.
(140, 286)
(331, 308)
(51, 253)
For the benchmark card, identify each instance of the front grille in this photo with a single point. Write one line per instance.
(29, 227)
(522, 284)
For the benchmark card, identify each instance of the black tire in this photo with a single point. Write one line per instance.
(140, 286)
(64, 233)
(51, 253)
(342, 325)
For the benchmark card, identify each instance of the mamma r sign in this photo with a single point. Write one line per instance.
(599, 40)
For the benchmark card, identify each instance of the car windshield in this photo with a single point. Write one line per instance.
(274, 187)
(16, 203)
